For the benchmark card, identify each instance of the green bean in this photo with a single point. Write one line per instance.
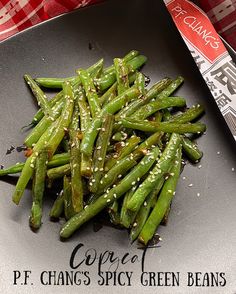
(129, 56)
(157, 172)
(126, 216)
(140, 82)
(127, 163)
(93, 70)
(58, 82)
(171, 88)
(166, 216)
(116, 172)
(105, 200)
(167, 127)
(65, 144)
(58, 172)
(44, 123)
(38, 190)
(14, 169)
(106, 81)
(58, 206)
(86, 165)
(189, 115)
(145, 209)
(121, 71)
(137, 103)
(100, 152)
(65, 119)
(85, 118)
(108, 95)
(75, 162)
(120, 136)
(112, 107)
(125, 149)
(152, 140)
(191, 149)
(57, 160)
(49, 140)
(161, 103)
(158, 116)
(55, 83)
(68, 203)
(113, 211)
(163, 202)
(52, 102)
(39, 95)
(90, 91)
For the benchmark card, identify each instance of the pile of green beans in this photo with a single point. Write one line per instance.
(114, 145)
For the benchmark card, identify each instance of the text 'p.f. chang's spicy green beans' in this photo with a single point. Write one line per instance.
(114, 145)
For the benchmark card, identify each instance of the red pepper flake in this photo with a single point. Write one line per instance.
(28, 152)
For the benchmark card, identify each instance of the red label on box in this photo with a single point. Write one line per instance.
(195, 26)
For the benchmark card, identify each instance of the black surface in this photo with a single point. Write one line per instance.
(200, 235)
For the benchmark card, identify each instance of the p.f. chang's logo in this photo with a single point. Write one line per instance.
(196, 28)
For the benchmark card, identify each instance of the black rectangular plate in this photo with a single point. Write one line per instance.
(200, 235)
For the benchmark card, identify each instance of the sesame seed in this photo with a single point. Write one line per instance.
(184, 178)
(133, 183)
(31, 165)
(135, 224)
(145, 203)
(108, 200)
(96, 169)
(93, 181)
(198, 194)
(100, 158)
(218, 152)
(105, 196)
(105, 176)
(99, 147)
(190, 185)
(199, 166)
(114, 195)
(119, 176)
(90, 184)
(88, 168)
(232, 169)
(74, 165)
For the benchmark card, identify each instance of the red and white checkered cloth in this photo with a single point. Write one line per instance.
(17, 15)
